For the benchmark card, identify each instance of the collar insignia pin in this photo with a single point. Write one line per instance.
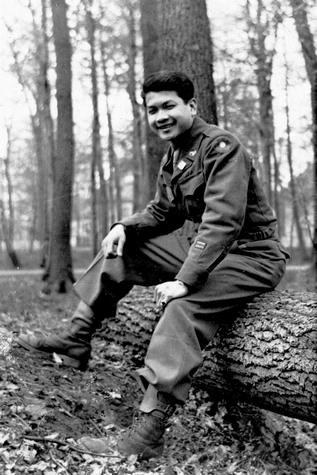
(192, 153)
(181, 165)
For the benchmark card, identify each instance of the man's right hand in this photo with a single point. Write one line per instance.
(113, 243)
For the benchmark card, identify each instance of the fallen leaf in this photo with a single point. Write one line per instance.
(4, 437)
(57, 359)
(36, 410)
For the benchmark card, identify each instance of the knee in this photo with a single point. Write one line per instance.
(177, 315)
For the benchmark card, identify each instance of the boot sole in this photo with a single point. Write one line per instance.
(67, 360)
(141, 450)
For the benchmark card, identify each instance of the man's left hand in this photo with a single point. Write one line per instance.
(167, 291)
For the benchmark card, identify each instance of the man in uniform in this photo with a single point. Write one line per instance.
(232, 254)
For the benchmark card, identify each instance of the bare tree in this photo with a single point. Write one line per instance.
(37, 92)
(263, 24)
(306, 37)
(97, 162)
(48, 158)
(139, 162)
(115, 187)
(114, 178)
(294, 192)
(7, 218)
(59, 273)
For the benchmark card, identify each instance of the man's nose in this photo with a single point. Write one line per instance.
(161, 115)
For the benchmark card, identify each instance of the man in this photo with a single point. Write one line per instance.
(232, 255)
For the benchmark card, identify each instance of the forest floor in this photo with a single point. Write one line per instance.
(46, 407)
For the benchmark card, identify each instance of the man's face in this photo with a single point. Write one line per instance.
(168, 115)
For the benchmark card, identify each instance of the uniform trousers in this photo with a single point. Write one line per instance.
(189, 323)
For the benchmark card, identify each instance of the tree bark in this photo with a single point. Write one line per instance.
(7, 220)
(96, 139)
(49, 145)
(185, 45)
(259, 28)
(176, 36)
(306, 39)
(115, 188)
(155, 147)
(139, 168)
(293, 185)
(59, 273)
(8, 242)
(265, 356)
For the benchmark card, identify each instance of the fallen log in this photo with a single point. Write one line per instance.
(267, 356)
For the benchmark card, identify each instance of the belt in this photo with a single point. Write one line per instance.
(259, 235)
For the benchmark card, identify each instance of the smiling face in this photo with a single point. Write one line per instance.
(168, 115)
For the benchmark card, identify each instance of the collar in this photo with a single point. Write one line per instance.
(187, 148)
(199, 126)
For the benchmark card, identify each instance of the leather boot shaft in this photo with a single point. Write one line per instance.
(73, 345)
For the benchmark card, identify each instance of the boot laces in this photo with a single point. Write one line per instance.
(144, 421)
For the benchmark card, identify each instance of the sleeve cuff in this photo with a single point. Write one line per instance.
(192, 275)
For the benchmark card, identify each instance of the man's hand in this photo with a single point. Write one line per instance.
(113, 243)
(167, 291)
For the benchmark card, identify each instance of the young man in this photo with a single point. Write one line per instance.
(232, 255)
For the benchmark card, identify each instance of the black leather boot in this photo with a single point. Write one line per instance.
(145, 436)
(73, 345)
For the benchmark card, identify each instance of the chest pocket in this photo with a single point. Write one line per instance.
(192, 190)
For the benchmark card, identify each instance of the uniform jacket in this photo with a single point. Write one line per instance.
(215, 185)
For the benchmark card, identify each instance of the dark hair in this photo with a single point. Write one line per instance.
(169, 81)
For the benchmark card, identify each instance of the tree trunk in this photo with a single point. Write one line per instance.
(295, 201)
(7, 220)
(59, 275)
(42, 123)
(139, 171)
(155, 147)
(96, 139)
(176, 36)
(43, 129)
(94, 215)
(115, 192)
(266, 356)
(49, 154)
(8, 242)
(185, 45)
(259, 29)
(306, 39)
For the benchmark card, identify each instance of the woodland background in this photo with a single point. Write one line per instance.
(76, 155)
(75, 151)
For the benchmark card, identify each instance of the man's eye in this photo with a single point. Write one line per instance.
(151, 111)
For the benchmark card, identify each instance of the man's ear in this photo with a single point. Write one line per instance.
(193, 106)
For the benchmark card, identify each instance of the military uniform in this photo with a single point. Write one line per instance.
(231, 254)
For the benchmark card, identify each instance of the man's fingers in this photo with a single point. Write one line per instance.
(121, 243)
(107, 248)
(113, 243)
(157, 294)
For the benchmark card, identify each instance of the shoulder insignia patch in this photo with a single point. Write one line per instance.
(223, 145)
